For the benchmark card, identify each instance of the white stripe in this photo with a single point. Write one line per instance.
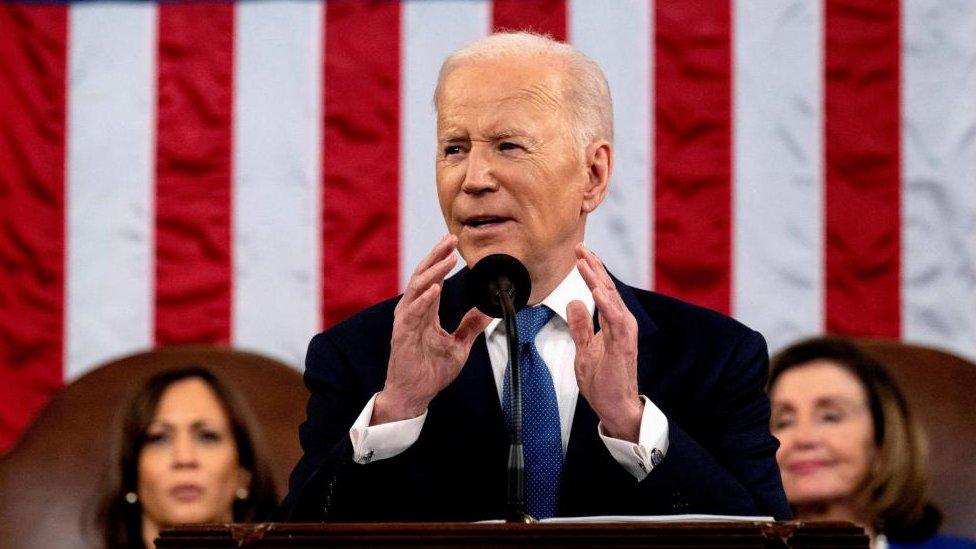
(110, 162)
(431, 29)
(277, 159)
(939, 174)
(618, 36)
(778, 185)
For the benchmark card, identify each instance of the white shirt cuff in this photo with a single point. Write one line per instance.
(652, 443)
(375, 442)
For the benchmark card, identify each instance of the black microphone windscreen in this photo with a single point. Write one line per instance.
(494, 273)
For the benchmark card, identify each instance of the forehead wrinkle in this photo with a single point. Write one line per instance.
(541, 96)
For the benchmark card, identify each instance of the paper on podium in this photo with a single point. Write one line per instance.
(599, 519)
(655, 518)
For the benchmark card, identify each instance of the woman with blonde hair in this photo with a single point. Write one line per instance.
(849, 446)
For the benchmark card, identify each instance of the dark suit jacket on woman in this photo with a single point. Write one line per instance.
(705, 371)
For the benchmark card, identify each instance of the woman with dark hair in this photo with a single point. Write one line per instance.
(849, 446)
(187, 452)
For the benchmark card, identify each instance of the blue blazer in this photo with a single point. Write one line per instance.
(705, 371)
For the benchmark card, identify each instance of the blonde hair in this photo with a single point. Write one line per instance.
(586, 90)
(894, 492)
(895, 489)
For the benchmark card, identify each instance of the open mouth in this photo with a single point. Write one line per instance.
(484, 221)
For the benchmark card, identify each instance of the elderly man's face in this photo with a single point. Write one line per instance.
(510, 175)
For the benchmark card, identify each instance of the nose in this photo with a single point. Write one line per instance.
(184, 452)
(806, 434)
(479, 176)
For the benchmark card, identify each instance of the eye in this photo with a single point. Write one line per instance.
(781, 422)
(156, 438)
(509, 146)
(832, 416)
(452, 150)
(209, 436)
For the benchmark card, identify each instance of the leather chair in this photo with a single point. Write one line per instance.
(941, 390)
(51, 480)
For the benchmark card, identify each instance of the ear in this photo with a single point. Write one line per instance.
(599, 165)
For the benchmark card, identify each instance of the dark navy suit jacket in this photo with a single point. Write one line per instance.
(705, 371)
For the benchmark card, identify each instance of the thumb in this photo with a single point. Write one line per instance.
(473, 323)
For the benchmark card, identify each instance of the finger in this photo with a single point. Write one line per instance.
(587, 360)
(444, 247)
(581, 330)
(473, 323)
(596, 266)
(580, 324)
(419, 283)
(432, 319)
(442, 250)
(417, 312)
(595, 275)
(615, 318)
(607, 300)
(586, 271)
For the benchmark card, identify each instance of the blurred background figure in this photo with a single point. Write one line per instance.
(185, 453)
(850, 448)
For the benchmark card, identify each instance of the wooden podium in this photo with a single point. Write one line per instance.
(631, 534)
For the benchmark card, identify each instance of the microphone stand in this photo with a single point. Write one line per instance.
(515, 510)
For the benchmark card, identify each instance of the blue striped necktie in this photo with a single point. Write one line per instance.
(542, 438)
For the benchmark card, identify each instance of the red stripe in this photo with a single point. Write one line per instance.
(193, 173)
(541, 16)
(361, 157)
(33, 40)
(693, 151)
(862, 135)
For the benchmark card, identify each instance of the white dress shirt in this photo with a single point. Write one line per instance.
(556, 347)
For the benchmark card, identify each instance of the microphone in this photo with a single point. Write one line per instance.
(496, 280)
(499, 285)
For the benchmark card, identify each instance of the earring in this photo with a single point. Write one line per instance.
(242, 493)
(131, 498)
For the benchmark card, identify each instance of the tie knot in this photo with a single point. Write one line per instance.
(530, 320)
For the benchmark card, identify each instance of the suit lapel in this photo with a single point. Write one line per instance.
(646, 328)
(474, 391)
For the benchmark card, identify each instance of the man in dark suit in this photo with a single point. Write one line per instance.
(635, 403)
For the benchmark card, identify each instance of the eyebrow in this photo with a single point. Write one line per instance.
(210, 424)
(836, 401)
(506, 133)
(833, 400)
(492, 135)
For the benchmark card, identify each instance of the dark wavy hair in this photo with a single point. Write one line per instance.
(121, 521)
(895, 490)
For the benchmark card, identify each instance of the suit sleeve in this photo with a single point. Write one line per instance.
(732, 468)
(327, 484)
(721, 462)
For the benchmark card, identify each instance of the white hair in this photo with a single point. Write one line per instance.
(585, 87)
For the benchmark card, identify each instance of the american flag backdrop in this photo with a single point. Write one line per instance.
(247, 174)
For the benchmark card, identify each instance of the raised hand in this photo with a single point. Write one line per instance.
(606, 362)
(424, 358)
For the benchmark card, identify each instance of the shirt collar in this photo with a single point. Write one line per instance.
(572, 288)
